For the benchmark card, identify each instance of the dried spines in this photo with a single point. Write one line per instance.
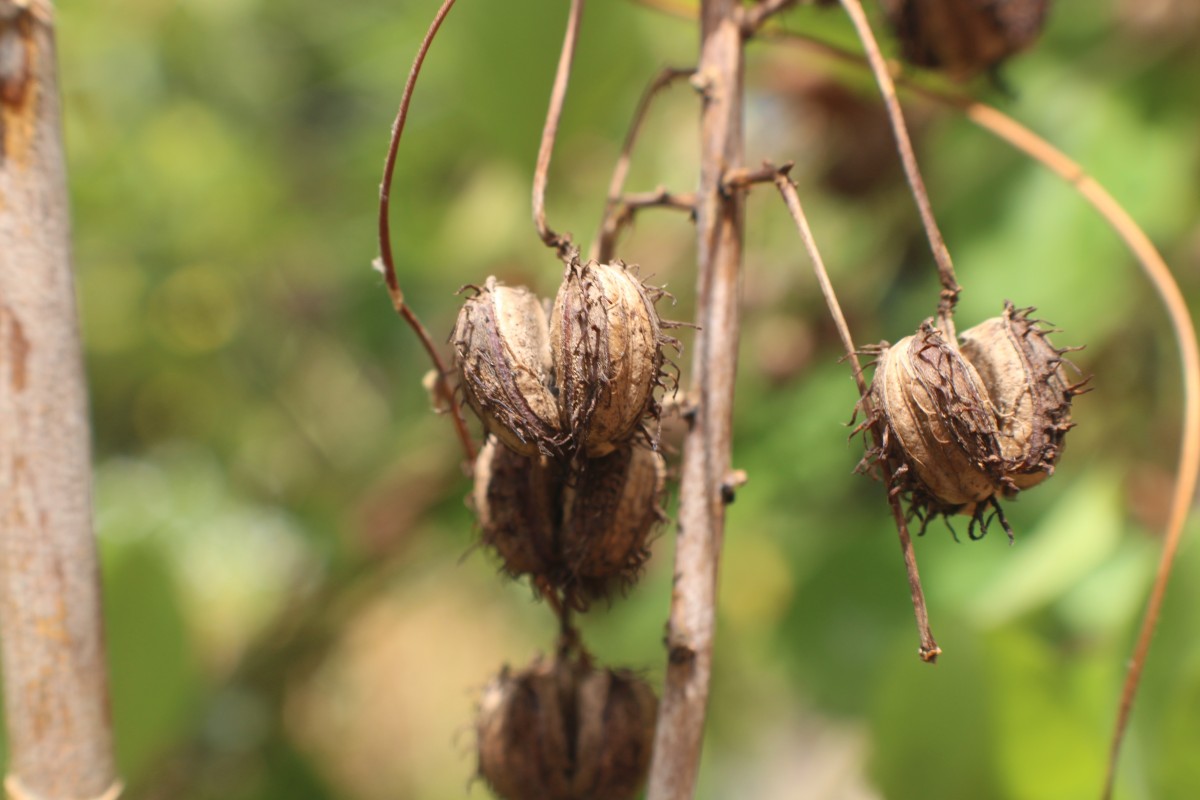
(964, 37)
(502, 352)
(1026, 380)
(607, 345)
(565, 730)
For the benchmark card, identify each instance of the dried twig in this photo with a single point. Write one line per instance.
(562, 76)
(929, 650)
(622, 213)
(54, 669)
(707, 446)
(386, 263)
(757, 15)
(887, 88)
(610, 227)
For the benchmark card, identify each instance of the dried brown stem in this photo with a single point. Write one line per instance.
(623, 212)
(386, 263)
(52, 649)
(756, 16)
(707, 446)
(558, 93)
(908, 158)
(929, 650)
(602, 248)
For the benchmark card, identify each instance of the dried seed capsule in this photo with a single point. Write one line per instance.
(940, 429)
(606, 340)
(608, 514)
(518, 500)
(566, 731)
(1024, 377)
(502, 351)
(964, 37)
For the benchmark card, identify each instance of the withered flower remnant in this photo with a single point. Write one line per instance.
(502, 352)
(564, 730)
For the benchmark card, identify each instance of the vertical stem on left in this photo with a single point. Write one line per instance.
(52, 648)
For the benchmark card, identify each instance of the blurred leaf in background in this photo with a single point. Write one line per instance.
(296, 606)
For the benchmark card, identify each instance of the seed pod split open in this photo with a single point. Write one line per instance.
(502, 352)
(565, 730)
(606, 340)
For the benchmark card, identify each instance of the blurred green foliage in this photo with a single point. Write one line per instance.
(295, 607)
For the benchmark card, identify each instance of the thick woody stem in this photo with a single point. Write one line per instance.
(52, 648)
(908, 158)
(706, 458)
(558, 94)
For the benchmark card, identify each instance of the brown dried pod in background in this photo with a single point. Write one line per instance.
(939, 429)
(566, 731)
(1029, 389)
(502, 352)
(609, 511)
(518, 501)
(606, 342)
(964, 38)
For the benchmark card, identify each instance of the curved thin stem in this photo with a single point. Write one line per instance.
(558, 94)
(602, 249)
(937, 244)
(929, 650)
(386, 262)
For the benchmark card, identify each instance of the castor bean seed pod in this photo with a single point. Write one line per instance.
(939, 428)
(518, 501)
(609, 511)
(502, 352)
(566, 731)
(964, 38)
(606, 343)
(1028, 386)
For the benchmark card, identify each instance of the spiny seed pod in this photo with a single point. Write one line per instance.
(610, 510)
(1024, 377)
(940, 431)
(502, 351)
(518, 502)
(964, 37)
(566, 731)
(606, 340)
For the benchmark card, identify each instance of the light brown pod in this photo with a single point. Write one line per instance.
(502, 352)
(564, 730)
(964, 37)
(609, 512)
(939, 428)
(1024, 377)
(518, 501)
(606, 343)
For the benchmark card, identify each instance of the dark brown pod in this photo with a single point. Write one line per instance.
(564, 730)
(502, 352)
(964, 38)
(1025, 378)
(606, 343)
(939, 430)
(609, 512)
(518, 501)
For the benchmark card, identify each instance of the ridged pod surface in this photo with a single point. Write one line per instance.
(1024, 377)
(609, 512)
(939, 427)
(564, 730)
(502, 352)
(964, 37)
(606, 343)
(518, 500)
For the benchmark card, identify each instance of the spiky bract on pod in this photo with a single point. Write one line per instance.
(1025, 378)
(502, 352)
(564, 730)
(964, 37)
(607, 345)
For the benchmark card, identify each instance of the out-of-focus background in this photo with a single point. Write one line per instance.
(296, 606)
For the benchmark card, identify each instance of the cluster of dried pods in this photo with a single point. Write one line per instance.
(965, 423)
(568, 490)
